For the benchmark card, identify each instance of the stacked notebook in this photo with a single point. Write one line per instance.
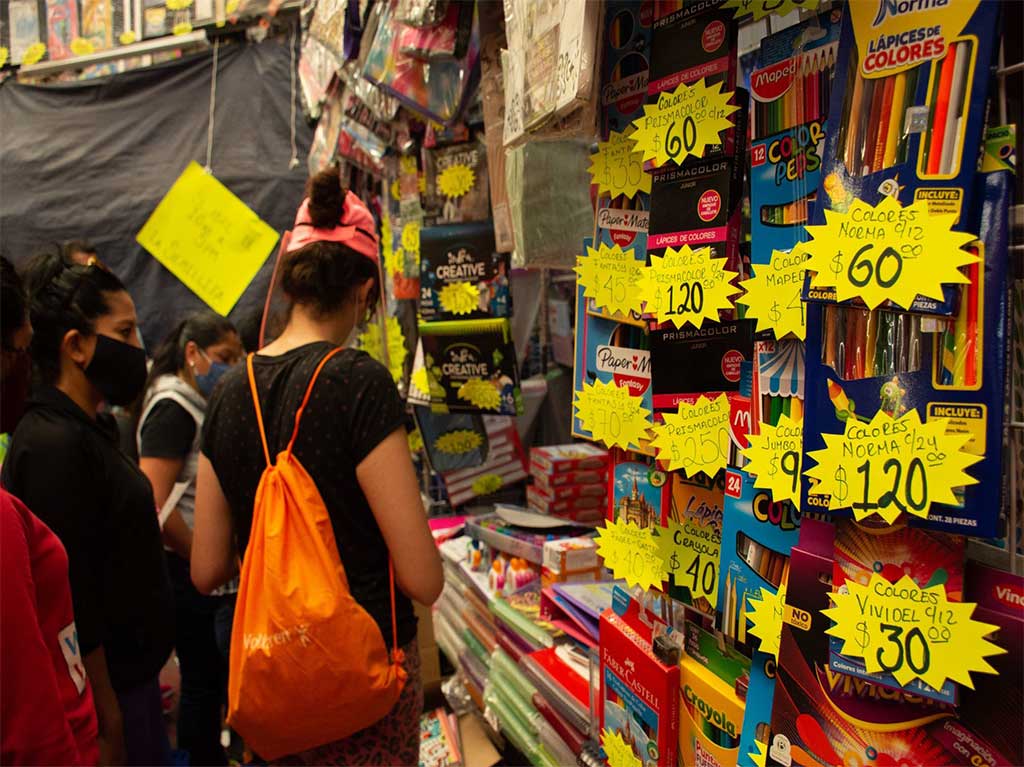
(569, 481)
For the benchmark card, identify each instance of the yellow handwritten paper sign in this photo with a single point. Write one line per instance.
(762, 8)
(456, 181)
(891, 465)
(612, 415)
(617, 751)
(765, 615)
(618, 168)
(773, 294)
(610, 276)
(696, 437)
(687, 286)
(690, 552)
(487, 484)
(458, 442)
(127, 38)
(887, 253)
(459, 298)
(683, 122)
(4, 53)
(208, 238)
(775, 458)
(632, 553)
(911, 632)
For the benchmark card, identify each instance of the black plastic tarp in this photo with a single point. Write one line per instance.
(91, 160)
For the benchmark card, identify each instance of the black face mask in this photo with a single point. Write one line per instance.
(117, 369)
(14, 386)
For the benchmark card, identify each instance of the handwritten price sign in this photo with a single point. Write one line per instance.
(891, 466)
(632, 553)
(762, 8)
(911, 632)
(683, 123)
(610, 276)
(887, 253)
(690, 552)
(617, 168)
(612, 415)
(696, 438)
(767, 616)
(774, 294)
(775, 458)
(687, 286)
(618, 752)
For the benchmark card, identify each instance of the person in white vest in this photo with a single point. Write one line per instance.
(185, 371)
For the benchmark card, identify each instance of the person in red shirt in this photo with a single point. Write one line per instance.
(47, 715)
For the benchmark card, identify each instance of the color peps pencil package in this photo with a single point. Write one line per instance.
(907, 112)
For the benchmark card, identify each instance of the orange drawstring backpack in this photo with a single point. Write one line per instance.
(308, 664)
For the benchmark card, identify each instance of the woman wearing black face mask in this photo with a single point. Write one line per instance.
(185, 370)
(65, 464)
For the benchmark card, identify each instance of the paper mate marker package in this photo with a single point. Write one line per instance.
(907, 112)
(789, 92)
(461, 275)
(639, 696)
(711, 677)
(859, 363)
(627, 52)
(757, 535)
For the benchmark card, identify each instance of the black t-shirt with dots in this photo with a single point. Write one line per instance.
(354, 406)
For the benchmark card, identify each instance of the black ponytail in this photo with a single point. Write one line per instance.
(204, 327)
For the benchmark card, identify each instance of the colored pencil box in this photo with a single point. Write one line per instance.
(624, 66)
(462, 256)
(907, 113)
(699, 499)
(554, 459)
(546, 480)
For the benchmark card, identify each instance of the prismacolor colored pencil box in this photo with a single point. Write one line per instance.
(907, 113)
(860, 362)
(467, 367)
(461, 275)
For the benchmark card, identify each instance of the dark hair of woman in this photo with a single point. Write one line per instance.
(324, 275)
(63, 297)
(204, 327)
(13, 305)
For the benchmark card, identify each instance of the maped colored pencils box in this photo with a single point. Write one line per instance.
(711, 678)
(757, 535)
(789, 93)
(463, 256)
(908, 112)
(554, 459)
(860, 362)
(639, 697)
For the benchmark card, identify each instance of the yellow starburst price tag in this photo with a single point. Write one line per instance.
(458, 442)
(610, 276)
(775, 458)
(887, 253)
(369, 341)
(82, 47)
(481, 394)
(762, 8)
(178, 5)
(459, 298)
(456, 181)
(33, 54)
(686, 286)
(773, 294)
(415, 439)
(765, 615)
(683, 123)
(618, 168)
(632, 553)
(617, 751)
(911, 632)
(4, 53)
(759, 756)
(612, 415)
(411, 237)
(891, 465)
(487, 484)
(696, 437)
(181, 28)
(690, 552)
(127, 38)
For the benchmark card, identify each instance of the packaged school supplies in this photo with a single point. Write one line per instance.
(627, 49)
(859, 363)
(445, 40)
(697, 361)
(907, 112)
(452, 440)
(692, 42)
(698, 500)
(457, 183)
(588, 508)
(461, 275)
(636, 490)
(711, 676)
(466, 366)
(757, 535)
(639, 693)
(790, 92)
(504, 465)
(554, 459)
(626, 228)
(439, 742)
(547, 480)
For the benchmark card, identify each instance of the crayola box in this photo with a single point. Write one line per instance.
(908, 111)
(790, 92)
(711, 676)
(639, 696)
(953, 369)
(461, 275)
(757, 535)
(627, 51)
(820, 716)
